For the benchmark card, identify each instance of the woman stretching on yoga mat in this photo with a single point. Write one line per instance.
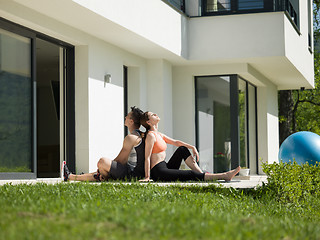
(155, 153)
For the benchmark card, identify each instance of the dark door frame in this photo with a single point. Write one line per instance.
(125, 96)
(69, 97)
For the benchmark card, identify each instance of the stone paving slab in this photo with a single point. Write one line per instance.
(237, 182)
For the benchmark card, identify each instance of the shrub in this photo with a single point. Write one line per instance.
(293, 183)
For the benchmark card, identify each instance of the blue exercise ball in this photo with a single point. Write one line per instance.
(301, 147)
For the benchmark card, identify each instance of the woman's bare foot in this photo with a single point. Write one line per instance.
(229, 175)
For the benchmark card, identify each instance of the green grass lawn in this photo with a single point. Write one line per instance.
(146, 211)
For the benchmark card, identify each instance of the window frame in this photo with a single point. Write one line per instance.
(268, 7)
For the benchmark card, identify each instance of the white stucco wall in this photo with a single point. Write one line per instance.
(106, 113)
(82, 108)
(159, 94)
(236, 36)
(152, 19)
(268, 125)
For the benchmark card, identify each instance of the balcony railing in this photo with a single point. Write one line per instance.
(286, 5)
(224, 7)
(178, 4)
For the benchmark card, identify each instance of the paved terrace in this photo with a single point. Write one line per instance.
(237, 182)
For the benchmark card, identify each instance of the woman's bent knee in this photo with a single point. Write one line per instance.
(104, 164)
(184, 152)
(104, 161)
(183, 148)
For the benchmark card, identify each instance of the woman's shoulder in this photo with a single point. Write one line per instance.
(150, 131)
(151, 134)
(132, 137)
(160, 134)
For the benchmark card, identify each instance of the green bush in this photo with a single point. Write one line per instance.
(293, 183)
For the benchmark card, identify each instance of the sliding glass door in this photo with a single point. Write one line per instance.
(16, 104)
(214, 129)
(37, 95)
(226, 123)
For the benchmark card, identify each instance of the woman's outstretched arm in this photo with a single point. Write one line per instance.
(179, 143)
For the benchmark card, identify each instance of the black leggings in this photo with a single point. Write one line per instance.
(170, 171)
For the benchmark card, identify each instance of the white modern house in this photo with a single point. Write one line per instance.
(211, 69)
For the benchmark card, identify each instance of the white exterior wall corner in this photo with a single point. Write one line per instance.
(268, 124)
(183, 104)
(297, 48)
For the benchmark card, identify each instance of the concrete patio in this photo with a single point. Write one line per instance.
(237, 182)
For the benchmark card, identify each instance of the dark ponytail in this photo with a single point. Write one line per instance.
(136, 116)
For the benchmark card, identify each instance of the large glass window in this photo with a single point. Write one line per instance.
(213, 112)
(218, 5)
(36, 103)
(250, 4)
(226, 123)
(310, 30)
(211, 7)
(15, 103)
(243, 122)
(178, 4)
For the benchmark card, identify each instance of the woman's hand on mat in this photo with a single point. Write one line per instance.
(146, 180)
